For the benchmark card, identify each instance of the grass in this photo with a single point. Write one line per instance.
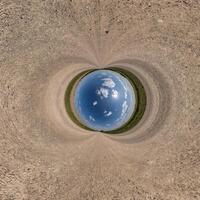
(139, 90)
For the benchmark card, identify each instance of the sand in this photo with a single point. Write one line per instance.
(44, 155)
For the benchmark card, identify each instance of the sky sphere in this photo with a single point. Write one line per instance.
(104, 100)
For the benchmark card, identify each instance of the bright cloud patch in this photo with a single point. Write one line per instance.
(92, 118)
(108, 82)
(125, 95)
(94, 103)
(114, 93)
(103, 93)
(108, 114)
(124, 108)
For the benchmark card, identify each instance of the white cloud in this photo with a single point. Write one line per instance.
(92, 118)
(118, 119)
(103, 93)
(94, 103)
(125, 94)
(124, 108)
(108, 82)
(114, 93)
(108, 114)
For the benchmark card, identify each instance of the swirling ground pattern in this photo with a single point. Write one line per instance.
(44, 44)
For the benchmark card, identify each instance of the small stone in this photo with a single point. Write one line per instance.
(160, 21)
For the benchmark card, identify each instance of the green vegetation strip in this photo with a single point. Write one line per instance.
(139, 91)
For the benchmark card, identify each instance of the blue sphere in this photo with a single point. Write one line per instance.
(104, 100)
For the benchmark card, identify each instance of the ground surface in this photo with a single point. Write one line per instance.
(43, 44)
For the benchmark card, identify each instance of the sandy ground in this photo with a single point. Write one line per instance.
(44, 44)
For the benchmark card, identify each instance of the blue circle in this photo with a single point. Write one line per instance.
(104, 100)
